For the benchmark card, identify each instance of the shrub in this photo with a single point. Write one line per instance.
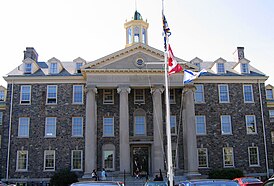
(225, 173)
(63, 178)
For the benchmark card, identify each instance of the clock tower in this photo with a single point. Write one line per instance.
(136, 30)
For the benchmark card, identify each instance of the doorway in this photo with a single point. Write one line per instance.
(140, 160)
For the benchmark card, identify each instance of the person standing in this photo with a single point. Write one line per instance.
(103, 174)
(94, 175)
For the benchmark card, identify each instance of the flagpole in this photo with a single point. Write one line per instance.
(168, 131)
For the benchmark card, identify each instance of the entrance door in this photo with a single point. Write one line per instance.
(140, 160)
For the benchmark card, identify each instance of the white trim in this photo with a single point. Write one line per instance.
(175, 132)
(108, 124)
(255, 125)
(230, 126)
(145, 125)
(252, 101)
(49, 152)
(28, 102)
(206, 157)
(20, 125)
(108, 93)
(227, 155)
(56, 91)
(46, 126)
(108, 147)
(17, 161)
(142, 94)
(72, 126)
(73, 94)
(203, 94)
(204, 119)
(73, 159)
(258, 160)
(219, 92)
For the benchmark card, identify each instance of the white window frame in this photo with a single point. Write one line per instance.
(107, 124)
(78, 67)
(24, 101)
(204, 124)
(18, 168)
(52, 100)
(113, 159)
(77, 128)
(53, 68)
(172, 97)
(108, 96)
(139, 97)
(249, 93)
(78, 93)
(248, 131)
(173, 124)
(244, 68)
(135, 125)
(73, 158)
(231, 155)
(220, 68)
(226, 124)
(27, 68)
(203, 156)
(257, 156)
(2, 95)
(49, 126)
(1, 118)
(199, 93)
(269, 93)
(227, 92)
(49, 153)
(22, 126)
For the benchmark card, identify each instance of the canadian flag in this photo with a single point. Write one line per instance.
(173, 65)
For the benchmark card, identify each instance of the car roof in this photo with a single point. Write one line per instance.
(101, 183)
(208, 181)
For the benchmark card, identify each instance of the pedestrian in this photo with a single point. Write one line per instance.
(94, 175)
(103, 174)
(157, 178)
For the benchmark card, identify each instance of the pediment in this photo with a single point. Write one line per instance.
(131, 58)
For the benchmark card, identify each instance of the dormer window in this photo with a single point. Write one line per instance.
(244, 68)
(28, 68)
(198, 65)
(78, 67)
(220, 68)
(2, 95)
(269, 94)
(53, 68)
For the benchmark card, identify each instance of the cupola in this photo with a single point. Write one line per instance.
(136, 30)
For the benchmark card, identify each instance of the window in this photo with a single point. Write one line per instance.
(139, 125)
(173, 125)
(25, 94)
(28, 68)
(244, 68)
(226, 124)
(272, 137)
(52, 94)
(250, 124)
(139, 96)
(1, 118)
(76, 159)
(108, 159)
(220, 68)
(228, 157)
(271, 115)
(269, 94)
(108, 129)
(53, 68)
(253, 156)
(200, 125)
(223, 94)
(202, 158)
(108, 96)
(248, 94)
(144, 36)
(49, 160)
(2, 95)
(172, 96)
(50, 128)
(129, 36)
(174, 155)
(22, 160)
(23, 128)
(198, 65)
(77, 127)
(78, 67)
(78, 94)
(199, 94)
(136, 34)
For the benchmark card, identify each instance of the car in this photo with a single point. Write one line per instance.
(208, 182)
(156, 183)
(269, 182)
(98, 183)
(2, 184)
(248, 181)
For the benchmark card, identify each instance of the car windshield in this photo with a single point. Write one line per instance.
(156, 183)
(249, 180)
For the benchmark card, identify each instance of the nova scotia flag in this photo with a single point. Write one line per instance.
(190, 75)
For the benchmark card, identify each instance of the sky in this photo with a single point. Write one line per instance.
(91, 29)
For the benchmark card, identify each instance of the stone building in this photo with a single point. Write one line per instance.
(2, 113)
(110, 113)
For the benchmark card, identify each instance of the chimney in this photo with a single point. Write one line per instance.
(31, 53)
(240, 53)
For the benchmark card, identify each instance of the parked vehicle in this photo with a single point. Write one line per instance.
(208, 182)
(248, 181)
(269, 182)
(156, 183)
(2, 184)
(98, 183)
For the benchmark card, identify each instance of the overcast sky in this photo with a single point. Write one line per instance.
(91, 29)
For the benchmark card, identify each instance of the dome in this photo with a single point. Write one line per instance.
(137, 16)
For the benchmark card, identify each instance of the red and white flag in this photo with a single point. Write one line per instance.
(173, 65)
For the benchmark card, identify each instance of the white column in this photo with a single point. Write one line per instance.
(124, 130)
(158, 155)
(90, 131)
(189, 131)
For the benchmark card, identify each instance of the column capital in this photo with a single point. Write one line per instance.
(122, 89)
(188, 87)
(157, 89)
(91, 88)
